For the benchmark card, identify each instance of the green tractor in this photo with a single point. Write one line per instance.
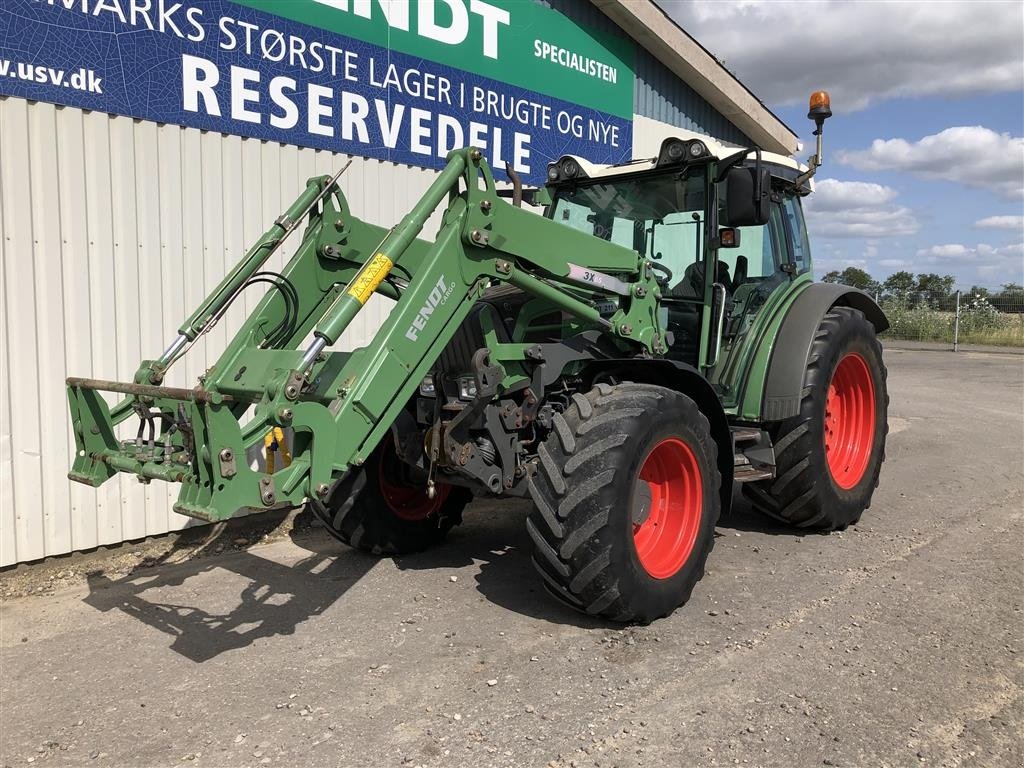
(621, 361)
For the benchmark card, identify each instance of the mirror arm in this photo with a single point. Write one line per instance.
(757, 176)
(736, 159)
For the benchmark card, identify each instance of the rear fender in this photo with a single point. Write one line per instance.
(682, 378)
(785, 378)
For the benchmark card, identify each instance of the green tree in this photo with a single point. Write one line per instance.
(899, 285)
(853, 277)
(935, 290)
(929, 282)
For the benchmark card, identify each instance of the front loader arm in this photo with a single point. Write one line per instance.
(340, 404)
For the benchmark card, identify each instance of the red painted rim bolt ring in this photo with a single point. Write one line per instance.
(849, 421)
(409, 502)
(666, 538)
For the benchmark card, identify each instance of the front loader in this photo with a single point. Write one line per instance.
(621, 361)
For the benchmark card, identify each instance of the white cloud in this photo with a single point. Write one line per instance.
(1001, 222)
(970, 155)
(835, 195)
(861, 52)
(893, 263)
(947, 251)
(857, 209)
(988, 261)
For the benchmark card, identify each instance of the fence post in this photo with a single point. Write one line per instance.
(956, 325)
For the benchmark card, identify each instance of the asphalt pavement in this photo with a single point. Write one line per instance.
(898, 642)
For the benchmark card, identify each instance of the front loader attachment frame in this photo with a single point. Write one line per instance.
(339, 404)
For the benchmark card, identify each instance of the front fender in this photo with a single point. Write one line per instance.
(788, 361)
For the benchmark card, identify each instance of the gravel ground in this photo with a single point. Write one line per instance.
(896, 643)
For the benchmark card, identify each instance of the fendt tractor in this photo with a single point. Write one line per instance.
(621, 361)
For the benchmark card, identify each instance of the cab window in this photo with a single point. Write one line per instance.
(761, 250)
(660, 217)
(794, 216)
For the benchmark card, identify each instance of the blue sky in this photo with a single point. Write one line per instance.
(924, 156)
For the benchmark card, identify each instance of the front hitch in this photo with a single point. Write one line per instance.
(199, 444)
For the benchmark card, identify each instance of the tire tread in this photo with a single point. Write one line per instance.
(570, 523)
(797, 495)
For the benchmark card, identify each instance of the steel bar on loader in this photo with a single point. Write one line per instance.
(254, 259)
(146, 390)
(365, 281)
(559, 298)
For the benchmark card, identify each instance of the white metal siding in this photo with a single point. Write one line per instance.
(111, 231)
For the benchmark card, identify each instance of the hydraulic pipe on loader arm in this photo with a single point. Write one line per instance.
(340, 404)
(213, 307)
(345, 308)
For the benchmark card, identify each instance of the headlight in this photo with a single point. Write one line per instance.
(676, 151)
(427, 386)
(467, 387)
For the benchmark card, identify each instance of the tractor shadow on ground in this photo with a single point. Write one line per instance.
(273, 598)
(743, 517)
(493, 536)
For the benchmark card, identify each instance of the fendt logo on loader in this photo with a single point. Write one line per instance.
(437, 297)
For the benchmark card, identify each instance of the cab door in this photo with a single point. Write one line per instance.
(761, 269)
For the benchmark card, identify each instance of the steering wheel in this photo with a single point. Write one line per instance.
(666, 274)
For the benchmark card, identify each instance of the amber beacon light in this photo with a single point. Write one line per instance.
(819, 109)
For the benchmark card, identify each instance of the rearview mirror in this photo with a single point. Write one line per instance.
(747, 195)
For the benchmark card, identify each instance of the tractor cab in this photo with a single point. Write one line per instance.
(722, 228)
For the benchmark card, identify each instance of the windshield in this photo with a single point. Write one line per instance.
(659, 216)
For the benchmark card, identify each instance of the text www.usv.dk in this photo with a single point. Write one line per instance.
(81, 79)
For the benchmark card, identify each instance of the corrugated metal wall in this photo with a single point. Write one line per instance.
(112, 230)
(661, 95)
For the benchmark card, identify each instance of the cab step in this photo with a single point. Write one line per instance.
(753, 455)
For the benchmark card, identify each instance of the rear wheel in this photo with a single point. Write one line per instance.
(828, 458)
(383, 508)
(626, 499)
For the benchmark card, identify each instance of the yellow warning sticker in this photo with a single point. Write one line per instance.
(369, 277)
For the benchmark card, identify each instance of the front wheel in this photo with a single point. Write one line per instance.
(626, 497)
(382, 507)
(828, 458)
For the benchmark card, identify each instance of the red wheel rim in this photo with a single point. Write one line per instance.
(409, 502)
(849, 421)
(665, 539)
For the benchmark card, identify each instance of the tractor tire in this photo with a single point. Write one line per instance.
(626, 497)
(828, 457)
(379, 509)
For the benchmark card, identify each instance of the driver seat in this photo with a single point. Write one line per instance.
(692, 285)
